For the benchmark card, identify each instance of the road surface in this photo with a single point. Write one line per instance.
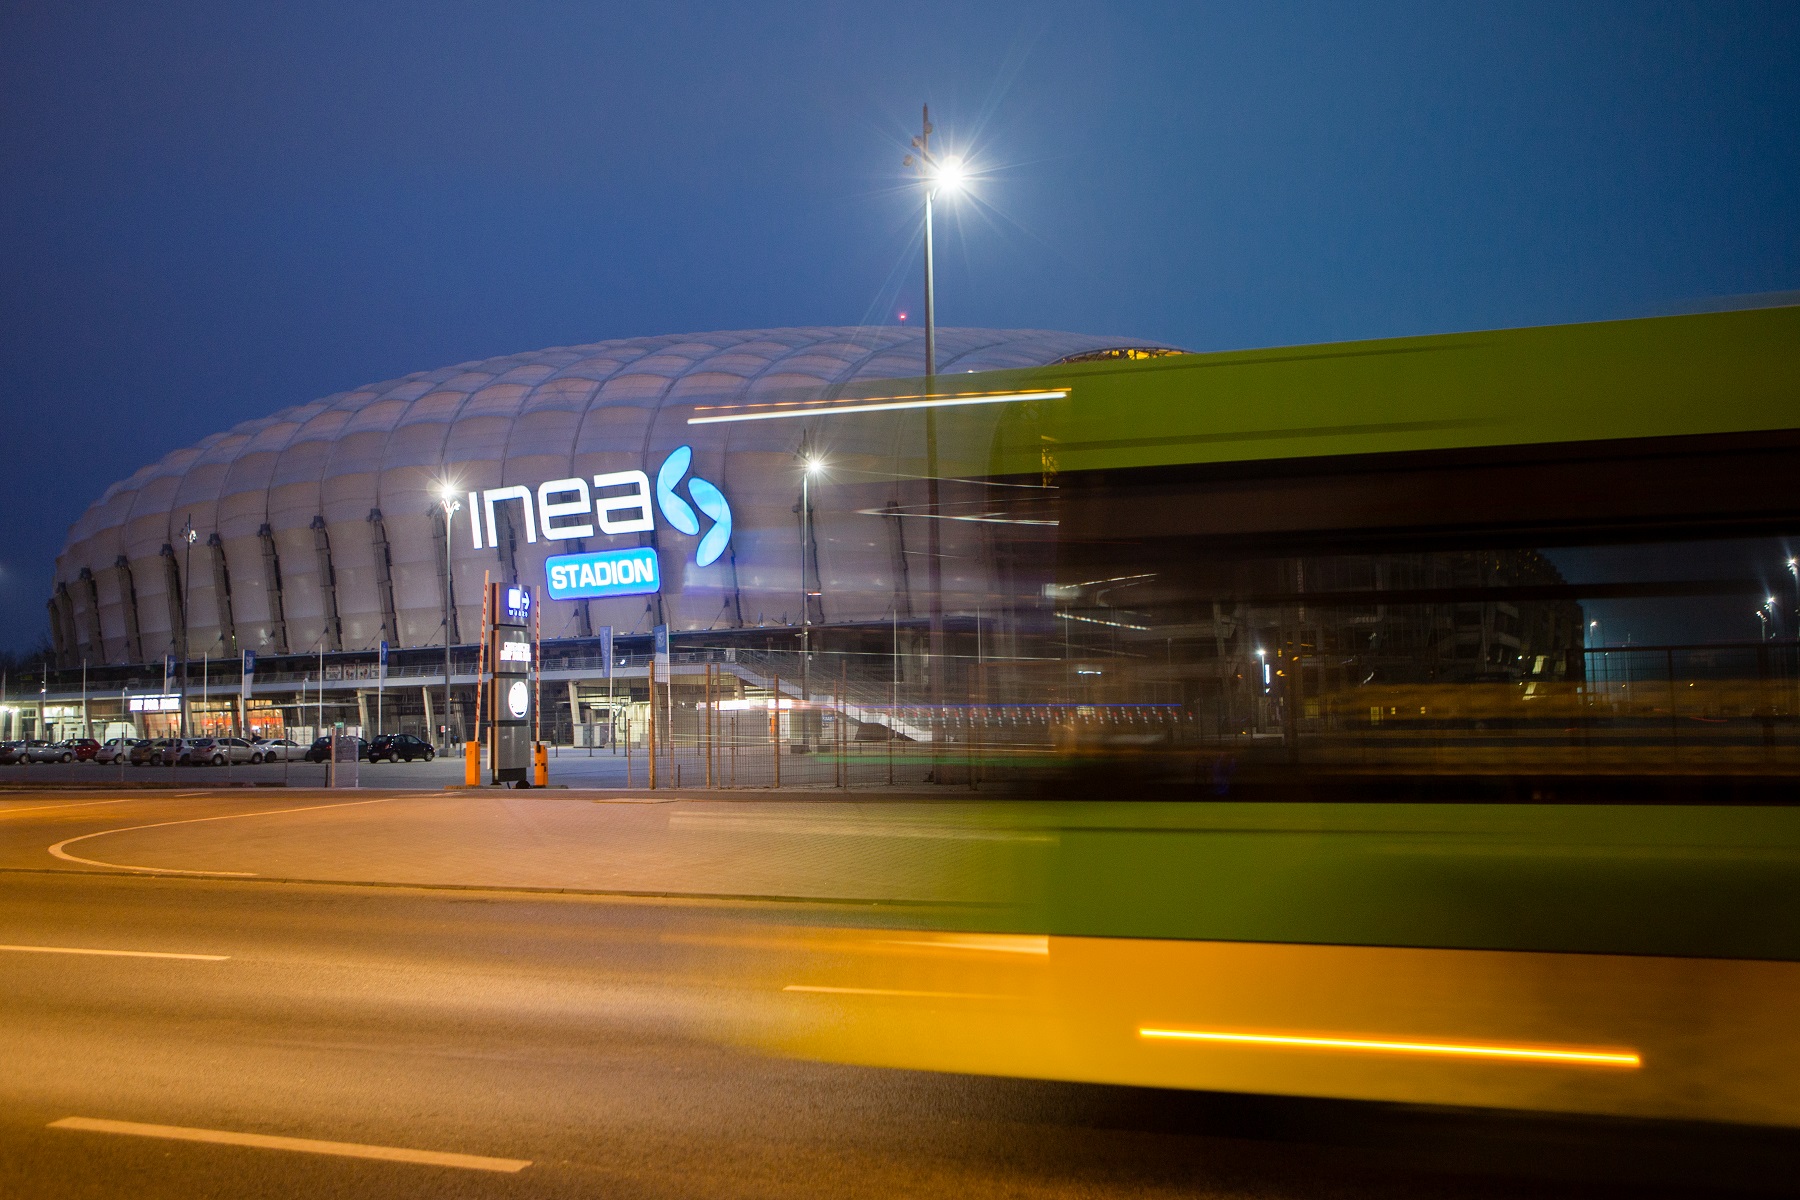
(186, 1035)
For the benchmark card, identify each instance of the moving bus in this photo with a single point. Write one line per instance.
(1408, 720)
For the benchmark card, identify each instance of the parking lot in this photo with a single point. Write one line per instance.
(568, 768)
(297, 773)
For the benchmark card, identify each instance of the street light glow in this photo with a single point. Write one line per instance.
(950, 173)
(814, 466)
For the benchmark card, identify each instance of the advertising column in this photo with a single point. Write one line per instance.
(509, 695)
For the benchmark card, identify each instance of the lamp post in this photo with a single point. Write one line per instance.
(944, 173)
(1605, 674)
(810, 465)
(187, 623)
(451, 505)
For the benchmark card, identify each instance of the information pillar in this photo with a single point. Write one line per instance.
(509, 682)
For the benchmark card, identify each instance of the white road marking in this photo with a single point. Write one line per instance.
(998, 943)
(114, 953)
(849, 991)
(59, 851)
(263, 1141)
(26, 812)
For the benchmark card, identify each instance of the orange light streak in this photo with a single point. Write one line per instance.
(1628, 1059)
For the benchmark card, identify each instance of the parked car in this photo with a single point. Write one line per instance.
(161, 752)
(115, 749)
(18, 752)
(222, 750)
(397, 747)
(276, 749)
(84, 749)
(67, 750)
(320, 750)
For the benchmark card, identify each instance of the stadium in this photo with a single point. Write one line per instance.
(313, 536)
(1423, 557)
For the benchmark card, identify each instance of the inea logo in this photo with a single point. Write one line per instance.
(677, 512)
(618, 503)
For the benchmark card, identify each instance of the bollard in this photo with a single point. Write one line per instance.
(540, 766)
(471, 764)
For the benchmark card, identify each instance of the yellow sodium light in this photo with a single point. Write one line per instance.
(831, 410)
(1628, 1059)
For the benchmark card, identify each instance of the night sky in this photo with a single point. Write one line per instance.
(211, 211)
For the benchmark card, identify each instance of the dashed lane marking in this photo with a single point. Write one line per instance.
(115, 953)
(35, 809)
(263, 1141)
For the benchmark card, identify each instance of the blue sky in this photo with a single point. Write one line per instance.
(211, 211)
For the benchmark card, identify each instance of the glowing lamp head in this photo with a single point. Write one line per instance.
(950, 173)
(815, 466)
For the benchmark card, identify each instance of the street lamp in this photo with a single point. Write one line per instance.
(451, 506)
(1595, 626)
(940, 174)
(187, 621)
(946, 174)
(810, 465)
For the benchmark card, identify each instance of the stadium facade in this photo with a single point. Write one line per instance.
(319, 530)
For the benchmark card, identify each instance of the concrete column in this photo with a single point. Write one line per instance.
(430, 723)
(362, 711)
(574, 710)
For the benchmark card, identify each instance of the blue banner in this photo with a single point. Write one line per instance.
(609, 573)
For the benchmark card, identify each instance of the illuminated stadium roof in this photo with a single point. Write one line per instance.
(314, 525)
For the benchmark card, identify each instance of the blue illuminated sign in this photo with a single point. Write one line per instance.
(609, 573)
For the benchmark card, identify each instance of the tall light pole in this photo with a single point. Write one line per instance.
(187, 622)
(810, 465)
(451, 505)
(939, 174)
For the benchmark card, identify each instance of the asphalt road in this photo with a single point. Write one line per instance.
(593, 1039)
